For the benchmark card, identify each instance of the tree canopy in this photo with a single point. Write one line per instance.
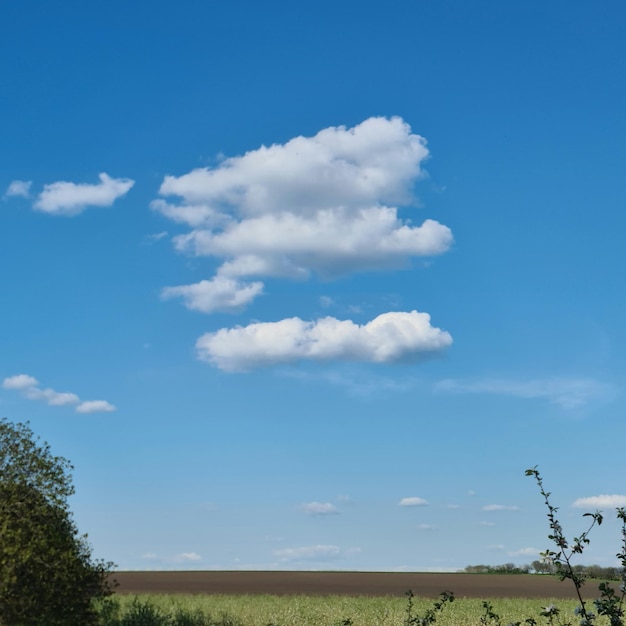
(47, 575)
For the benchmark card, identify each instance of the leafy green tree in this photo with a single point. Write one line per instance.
(47, 575)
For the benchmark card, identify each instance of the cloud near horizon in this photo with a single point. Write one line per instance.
(604, 500)
(67, 198)
(390, 337)
(320, 552)
(29, 387)
(324, 205)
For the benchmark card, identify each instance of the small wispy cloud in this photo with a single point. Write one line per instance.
(319, 508)
(176, 559)
(20, 381)
(413, 501)
(18, 188)
(218, 294)
(319, 552)
(356, 383)
(187, 557)
(525, 552)
(568, 393)
(67, 198)
(316, 552)
(426, 527)
(30, 388)
(500, 507)
(601, 501)
(453, 507)
(487, 523)
(95, 406)
(154, 237)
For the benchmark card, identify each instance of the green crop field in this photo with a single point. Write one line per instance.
(265, 610)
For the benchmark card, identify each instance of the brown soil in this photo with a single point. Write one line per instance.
(349, 584)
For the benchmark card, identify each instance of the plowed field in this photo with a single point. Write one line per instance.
(348, 583)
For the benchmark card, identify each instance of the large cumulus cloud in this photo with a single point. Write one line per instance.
(325, 205)
(390, 337)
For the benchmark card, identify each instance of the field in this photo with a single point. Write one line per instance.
(394, 584)
(335, 598)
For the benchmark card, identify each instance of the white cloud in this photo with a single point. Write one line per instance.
(525, 552)
(318, 552)
(329, 243)
(413, 501)
(19, 188)
(66, 198)
(390, 337)
(601, 501)
(453, 507)
(487, 523)
(95, 406)
(30, 389)
(52, 397)
(193, 215)
(20, 381)
(497, 547)
(376, 161)
(187, 557)
(500, 507)
(568, 393)
(426, 527)
(324, 205)
(218, 294)
(319, 508)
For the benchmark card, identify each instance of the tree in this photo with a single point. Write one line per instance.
(47, 574)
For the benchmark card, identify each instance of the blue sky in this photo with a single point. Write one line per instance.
(310, 285)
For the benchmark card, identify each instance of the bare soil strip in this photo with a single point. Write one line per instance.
(349, 584)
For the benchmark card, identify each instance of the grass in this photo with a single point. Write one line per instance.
(261, 610)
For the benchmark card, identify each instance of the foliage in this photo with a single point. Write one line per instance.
(430, 615)
(507, 568)
(546, 567)
(299, 610)
(609, 603)
(24, 460)
(47, 575)
(146, 613)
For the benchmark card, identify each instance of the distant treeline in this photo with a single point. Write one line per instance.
(543, 567)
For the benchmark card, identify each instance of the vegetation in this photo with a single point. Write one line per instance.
(547, 567)
(47, 575)
(610, 603)
(507, 568)
(266, 610)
